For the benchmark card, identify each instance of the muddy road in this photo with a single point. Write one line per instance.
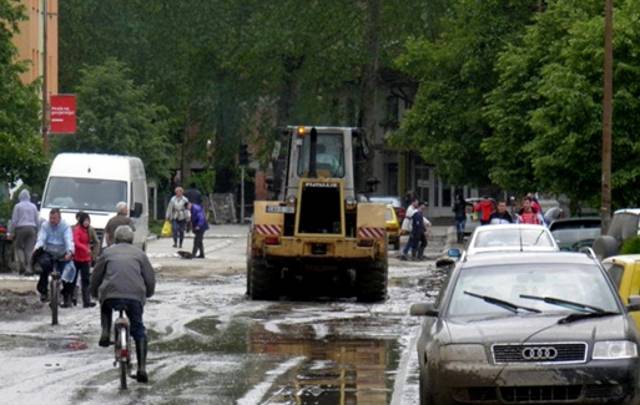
(209, 344)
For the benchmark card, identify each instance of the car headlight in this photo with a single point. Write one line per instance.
(466, 352)
(615, 349)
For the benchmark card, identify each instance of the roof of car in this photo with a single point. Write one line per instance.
(634, 211)
(487, 228)
(502, 258)
(623, 259)
(578, 219)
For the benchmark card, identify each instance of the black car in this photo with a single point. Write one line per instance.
(573, 234)
(539, 328)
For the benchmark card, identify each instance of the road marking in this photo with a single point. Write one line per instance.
(259, 391)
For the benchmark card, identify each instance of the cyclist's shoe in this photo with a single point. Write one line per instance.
(44, 297)
(89, 305)
(106, 332)
(67, 302)
(141, 355)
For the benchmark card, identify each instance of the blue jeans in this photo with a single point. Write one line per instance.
(412, 244)
(178, 228)
(133, 309)
(460, 223)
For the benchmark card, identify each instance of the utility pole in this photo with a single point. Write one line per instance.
(242, 194)
(45, 110)
(607, 116)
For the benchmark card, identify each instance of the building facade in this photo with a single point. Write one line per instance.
(30, 42)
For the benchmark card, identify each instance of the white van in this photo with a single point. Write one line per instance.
(95, 183)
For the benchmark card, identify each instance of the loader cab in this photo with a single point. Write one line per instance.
(320, 153)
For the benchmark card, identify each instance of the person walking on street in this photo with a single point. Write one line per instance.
(501, 216)
(83, 256)
(407, 227)
(199, 225)
(417, 232)
(23, 231)
(484, 207)
(121, 218)
(419, 255)
(123, 276)
(54, 248)
(178, 214)
(460, 214)
(527, 214)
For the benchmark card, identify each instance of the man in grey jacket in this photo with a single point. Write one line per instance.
(123, 278)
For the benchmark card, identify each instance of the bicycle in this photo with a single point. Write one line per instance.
(122, 346)
(54, 291)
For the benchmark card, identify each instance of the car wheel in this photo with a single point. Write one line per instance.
(425, 397)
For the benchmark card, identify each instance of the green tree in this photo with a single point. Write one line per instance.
(455, 69)
(21, 154)
(546, 110)
(116, 117)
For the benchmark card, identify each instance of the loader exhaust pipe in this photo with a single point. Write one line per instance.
(313, 138)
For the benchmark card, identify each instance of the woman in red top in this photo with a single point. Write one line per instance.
(82, 257)
(527, 214)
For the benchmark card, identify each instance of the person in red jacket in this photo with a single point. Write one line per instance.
(485, 207)
(83, 256)
(527, 214)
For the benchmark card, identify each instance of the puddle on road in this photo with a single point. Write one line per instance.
(337, 369)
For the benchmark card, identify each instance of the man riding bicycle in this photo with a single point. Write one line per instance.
(54, 248)
(123, 278)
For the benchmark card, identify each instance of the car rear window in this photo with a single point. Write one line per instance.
(513, 237)
(615, 272)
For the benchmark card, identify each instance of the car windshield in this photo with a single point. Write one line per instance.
(329, 155)
(513, 237)
(84, 194)
(577, 283)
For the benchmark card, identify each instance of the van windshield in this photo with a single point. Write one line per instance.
(84, 194)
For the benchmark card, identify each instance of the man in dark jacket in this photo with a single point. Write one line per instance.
(123, 277)
(121, 218)
(501, 216)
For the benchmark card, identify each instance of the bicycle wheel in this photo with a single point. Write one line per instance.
(122, 354)
(123, 374)
(53, 303)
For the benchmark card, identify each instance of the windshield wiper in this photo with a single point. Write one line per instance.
(564, 303)
(579, 316)
(501, 303)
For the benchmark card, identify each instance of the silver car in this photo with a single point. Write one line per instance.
(511, 238)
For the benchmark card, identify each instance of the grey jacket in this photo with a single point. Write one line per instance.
(25, 213)
(123, 271)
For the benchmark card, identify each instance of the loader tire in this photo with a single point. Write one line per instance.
(371, 282)
(263, 281)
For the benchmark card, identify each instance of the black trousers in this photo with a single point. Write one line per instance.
(82, 271)
(197, 242)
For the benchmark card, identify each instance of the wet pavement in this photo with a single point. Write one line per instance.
(209, 344)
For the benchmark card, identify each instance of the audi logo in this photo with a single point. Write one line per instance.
(539, 353)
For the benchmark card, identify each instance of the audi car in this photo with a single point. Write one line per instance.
(528, 328)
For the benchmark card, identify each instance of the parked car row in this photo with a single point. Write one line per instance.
(520, 321)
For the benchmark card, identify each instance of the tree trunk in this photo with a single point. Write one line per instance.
(369, 86)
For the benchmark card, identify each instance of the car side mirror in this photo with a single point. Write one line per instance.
(424, 310)
(634, 303)
(136, 212)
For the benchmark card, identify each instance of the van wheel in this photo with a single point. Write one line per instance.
(263, 281)
(371, 282)
(425, 397)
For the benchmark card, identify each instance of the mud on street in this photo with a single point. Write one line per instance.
(210, 344)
